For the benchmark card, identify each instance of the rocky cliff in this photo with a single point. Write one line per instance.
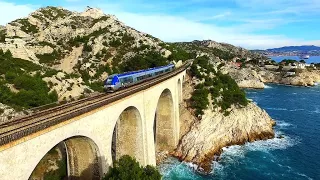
(301, 78)
(256, 77)
(203, 139)
(245, 77)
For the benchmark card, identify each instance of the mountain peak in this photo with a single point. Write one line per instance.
(93, 12)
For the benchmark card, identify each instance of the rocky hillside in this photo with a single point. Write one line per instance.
(70, 54)
(219, 51)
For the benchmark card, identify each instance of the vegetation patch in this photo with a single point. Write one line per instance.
(49, 58)
(102, 18)
(27, 27)
(45, 43)
(127, 168)
(33, 91)
(53, 13)
(148, 60)
(2, 36)
(226, 55)
(179, 53)
(223, 89)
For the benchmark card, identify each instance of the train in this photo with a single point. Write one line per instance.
(115, 82)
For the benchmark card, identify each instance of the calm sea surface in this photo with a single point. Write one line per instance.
(296, 156)
(312, 59)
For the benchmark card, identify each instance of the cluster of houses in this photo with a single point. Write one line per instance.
(289, 68)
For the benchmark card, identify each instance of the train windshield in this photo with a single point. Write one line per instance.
(109, 81)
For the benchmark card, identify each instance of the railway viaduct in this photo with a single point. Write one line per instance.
(139, 124)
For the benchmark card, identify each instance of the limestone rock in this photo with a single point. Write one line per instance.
(93, 12)
(215, 131)
(7, 113)
(245, 77)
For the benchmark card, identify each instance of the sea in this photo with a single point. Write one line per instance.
(312, 59)
(295, 156)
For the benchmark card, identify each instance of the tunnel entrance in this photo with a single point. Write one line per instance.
(164, 123)
(74, 158)
(127, 136)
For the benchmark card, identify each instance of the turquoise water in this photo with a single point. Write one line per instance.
(312, 59)
(296, 156)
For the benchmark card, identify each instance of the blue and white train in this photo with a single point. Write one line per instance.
(117, 81)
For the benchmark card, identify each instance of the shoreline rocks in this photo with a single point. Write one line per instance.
(256, 79)
(207, 137)
(202, 140)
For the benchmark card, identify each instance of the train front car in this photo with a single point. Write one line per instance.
(112, 83)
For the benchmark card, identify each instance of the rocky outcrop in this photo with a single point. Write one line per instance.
(245, 77)
(67, 88)
(255, 77)
(7, 113)
(203, 139)
(302, 78)
(215, 131)
(305, 78)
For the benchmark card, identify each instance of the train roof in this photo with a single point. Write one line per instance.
(140, 71)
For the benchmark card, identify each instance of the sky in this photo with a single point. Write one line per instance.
(252, 24)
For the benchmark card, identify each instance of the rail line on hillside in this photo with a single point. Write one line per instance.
(41, 120)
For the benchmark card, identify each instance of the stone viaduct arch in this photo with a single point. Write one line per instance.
(164, 123)
(83, 158)
(128, 135)
(134, 117)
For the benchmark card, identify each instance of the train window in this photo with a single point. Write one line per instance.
(139, 78)
(109, 81)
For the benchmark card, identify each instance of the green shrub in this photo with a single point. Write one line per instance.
(87, 48)
(179, 54)
(288, 61)
(127, 38)
(127, 168)
(10, 64)
(44, 43)
(50, 73)
(115, 43)
(10, 76)
(96, 86)
(226, 55)
(149, 60)
(53, 13)
(49, 58)
(26, 26)
(2, 36)
(222, 85)
(199, 99)
(102, 18)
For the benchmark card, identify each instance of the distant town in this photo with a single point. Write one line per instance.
(291, 51)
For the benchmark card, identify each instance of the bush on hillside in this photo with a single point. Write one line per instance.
(223, 89)
(2, 36)
(223, 54)
(26, 26)
(138, 62)
(49, 58)
(127, 168)
(288, 61)
(199, 99)
(179, 54)
(33, 91)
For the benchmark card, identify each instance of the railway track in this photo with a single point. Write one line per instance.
(38, 121)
